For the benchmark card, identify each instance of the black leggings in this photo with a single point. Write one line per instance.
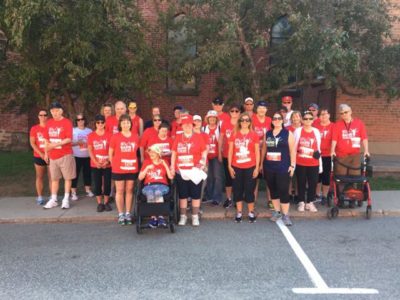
(102, 181)
(306, 176)
(325, 176)
(278, 185)
(228, 178)
(82, 163)
(244, 185)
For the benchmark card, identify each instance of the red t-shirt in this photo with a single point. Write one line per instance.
(326, 138)
(148, 134)
(39, 133)
(316, 122)
(158, 174)
(164, 145)
(56, 131)
(112, 125)
(188, 150)
(226, 132)
(224, 117)
(124, 158)
(244, 155)
(261, 128)
(176, 128)
(290, 128)
(100, 145)
(349, 137)
(136, 124)
(212, 141)
(305, 149)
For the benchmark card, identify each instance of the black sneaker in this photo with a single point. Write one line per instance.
(107, 207)
(100, 207)
(324, 201)
(252, 217)
(238, 218)
(215, 203)
(227, 203)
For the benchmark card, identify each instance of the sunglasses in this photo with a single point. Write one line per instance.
(234, 111)
(99, 122)
(277, 119)
(217, 104)
(156, 120)
(286, 102)
(344, 112)
(245, 120)
(307, 119)
(80, 119)
(45, 115)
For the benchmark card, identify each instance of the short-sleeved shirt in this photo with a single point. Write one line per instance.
(100, 145)
(212, 141)
(148, 134)
(349, 137)
(165, 146)
(158, 174)
(261, 128)
(326, 137)
(136, 124)
(305, 149)
(56, 131)
(125, 153)
(82, 136)
(188, 150)
(176, 128)
(112, 125)
(244, 155)
(226, 132)
(38, 132)
(223, 117)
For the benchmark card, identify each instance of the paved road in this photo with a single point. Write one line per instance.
(219, 260)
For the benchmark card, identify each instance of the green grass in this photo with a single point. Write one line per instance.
(17, 176)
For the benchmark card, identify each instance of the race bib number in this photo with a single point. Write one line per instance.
(212, 149)
(54, 140)
(306, 152)
(243, 155)
(165, 149)
(41, 141)
(101, 158)
(355, 142)
(274, 156)
(128, 164)
(185, 161)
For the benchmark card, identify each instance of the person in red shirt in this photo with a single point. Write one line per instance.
(176, 124)
(155, 172)
(38, 144)
(213, 191)
(218, 105)
(137, 122)
(58, 150)
(249, 106)
(113, 121)
(163, 141)
(325, 127)
(148, 134)
(106, 110)
(223, 148)
(189, 156)
(243, 164)
(98, 147)
(308, 162)
(314, 108)
(124, 167)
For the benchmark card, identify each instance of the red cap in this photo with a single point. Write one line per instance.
(187, 119)
(287, 98)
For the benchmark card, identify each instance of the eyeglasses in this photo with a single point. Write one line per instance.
(80, 119)
(244, 120)
(99, 122)
(344, 112)
(277, 119)
(307, 119)
(156, 120)
(234, 111)
(43, 115)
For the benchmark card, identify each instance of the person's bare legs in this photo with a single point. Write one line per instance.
(129, 195)
(119, 195)
(40, 172)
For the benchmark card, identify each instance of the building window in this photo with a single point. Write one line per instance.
(180, 50)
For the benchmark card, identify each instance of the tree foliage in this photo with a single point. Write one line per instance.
(79, 50)
(342, 43)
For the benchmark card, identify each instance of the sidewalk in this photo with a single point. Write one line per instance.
(25, 210)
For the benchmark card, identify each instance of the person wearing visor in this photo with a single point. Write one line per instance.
(137, 122)
(249, 106)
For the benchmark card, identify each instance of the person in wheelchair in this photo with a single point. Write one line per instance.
(155, 172)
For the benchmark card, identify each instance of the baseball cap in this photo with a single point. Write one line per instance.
(262, 103)
(55, 105)
(314, 105)
(187, 119)
(218, 101)
(196, 117)
(249, 99)
(99, 118)
(211, 113)
(179, 107)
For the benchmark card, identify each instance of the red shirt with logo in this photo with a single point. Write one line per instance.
(226, 132)
(100, 145)
(188, 150)
(212, 141)
(157, 174)
(39, 133)
(261, 128)
(349, 137)
(305, 149)
(176, 128)
(165, 146)
(244, 155)
(56, 131)
(112, 125)
(148, 134)
(223, 117)
(124, 157)
(326, 138)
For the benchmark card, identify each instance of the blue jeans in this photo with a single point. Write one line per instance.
(214, 181)
(155, 190)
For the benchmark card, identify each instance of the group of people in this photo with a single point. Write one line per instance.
(230, 150)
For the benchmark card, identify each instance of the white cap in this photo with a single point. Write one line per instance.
(212, 113)
(196, 117)
(249, 99)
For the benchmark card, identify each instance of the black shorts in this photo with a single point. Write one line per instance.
(124, 176)
(38, 161)
(186, 188)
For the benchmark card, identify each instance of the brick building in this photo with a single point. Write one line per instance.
(14, 127)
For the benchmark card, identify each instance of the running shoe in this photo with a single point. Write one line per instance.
(324, 200)
(276, 215)
(182, 220)
(128, 219)
(318, 198)
(121, 219)
(161, 222)
(286, 220)
(65, 203)
(301, 206)
(153, 223)
(101, 207)
(238, 218)
(50, 204)
(195, 220)
(228, 203)
(252, 217)
(215, 203)
(107, 207)
(311, 207)
(39, 200)
(89, 194)
(74, 197)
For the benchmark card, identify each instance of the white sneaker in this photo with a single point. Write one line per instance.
(74, 197)
(50, 204)
(65, 204)
(311, 207)
(89, 194)
(300, 206)
(182, 220)
(195, 220)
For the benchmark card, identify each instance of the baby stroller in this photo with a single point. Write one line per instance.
(356, 189)
(143, 209)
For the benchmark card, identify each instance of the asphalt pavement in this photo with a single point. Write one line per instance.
(218, 260)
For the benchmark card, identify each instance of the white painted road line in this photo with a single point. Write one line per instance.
(320, 285)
